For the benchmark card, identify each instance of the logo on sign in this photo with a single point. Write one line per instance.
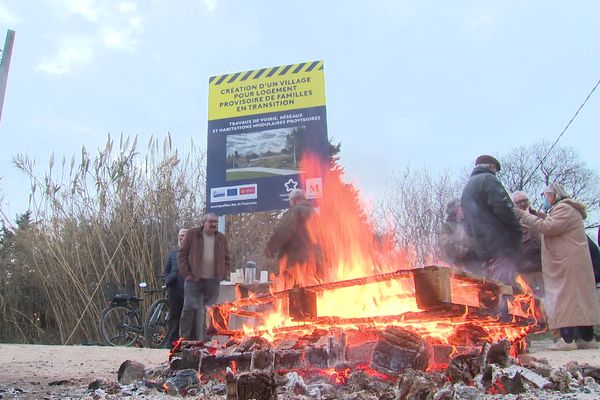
(314, 188)
(232, 192)
(219, 193)
(290, 185)
(248, 190)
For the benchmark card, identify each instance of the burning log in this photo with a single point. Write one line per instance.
(303, 304)
(469, 335)
(258, 383)
(442, 354)
(397, 350)
(496, 353)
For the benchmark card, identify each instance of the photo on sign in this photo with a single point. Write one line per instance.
(265, 153)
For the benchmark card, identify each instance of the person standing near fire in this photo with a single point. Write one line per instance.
(491, 221)
(529, 262)
(571, 300)
(204, 261)
(455, 243)
(292, 244)
(174, 282)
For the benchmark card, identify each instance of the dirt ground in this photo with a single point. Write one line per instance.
(47, 371)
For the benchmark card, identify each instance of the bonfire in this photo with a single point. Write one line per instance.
(368, 307)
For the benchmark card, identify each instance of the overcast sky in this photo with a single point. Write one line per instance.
(425, 83)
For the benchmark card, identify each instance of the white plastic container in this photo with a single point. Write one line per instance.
(249, 272)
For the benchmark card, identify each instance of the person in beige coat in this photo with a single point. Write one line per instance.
(571, 300)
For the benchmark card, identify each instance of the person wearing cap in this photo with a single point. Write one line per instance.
(491, 221)
(298, 256)
(174, 282)
(571, 300)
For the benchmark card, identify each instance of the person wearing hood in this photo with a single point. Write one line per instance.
(491, 221)
(292, 242)
(571, 300)
(174, 282)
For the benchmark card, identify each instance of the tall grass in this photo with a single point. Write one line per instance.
(99, 224)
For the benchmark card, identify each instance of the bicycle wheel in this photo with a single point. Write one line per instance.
(156, 328)
(120, 326)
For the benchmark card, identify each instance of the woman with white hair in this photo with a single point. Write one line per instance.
(571, 300)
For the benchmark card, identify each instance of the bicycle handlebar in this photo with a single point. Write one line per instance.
(149, 291)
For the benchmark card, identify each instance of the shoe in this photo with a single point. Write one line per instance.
(561, 345)
(585, 344)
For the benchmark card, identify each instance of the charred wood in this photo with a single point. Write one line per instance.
(262, 360)
(130, 371)
(398, 349)
(418, 385)
(464, 368)
(182, 382)
(302, 304)
(258, 385)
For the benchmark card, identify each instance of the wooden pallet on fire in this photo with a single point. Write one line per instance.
(439, 291)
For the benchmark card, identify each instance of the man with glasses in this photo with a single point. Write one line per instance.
(203, 261)
(529, 262)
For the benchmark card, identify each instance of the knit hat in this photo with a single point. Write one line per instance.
(485, 159)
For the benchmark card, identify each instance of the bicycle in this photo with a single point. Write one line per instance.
(120, 321)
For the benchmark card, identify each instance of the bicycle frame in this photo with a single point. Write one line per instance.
(131, 320)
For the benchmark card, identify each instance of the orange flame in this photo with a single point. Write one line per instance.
(339, 377)
(351, 249)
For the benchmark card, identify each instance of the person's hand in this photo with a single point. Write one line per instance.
(519, 212)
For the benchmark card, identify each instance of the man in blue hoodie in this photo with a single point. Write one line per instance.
(491, 221)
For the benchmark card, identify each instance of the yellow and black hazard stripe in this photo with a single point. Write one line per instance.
(249, 76)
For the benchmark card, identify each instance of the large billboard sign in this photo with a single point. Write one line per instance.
(260, 124)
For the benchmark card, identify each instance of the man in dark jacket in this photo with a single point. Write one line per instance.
(174, 282)
(491, 221)
(292, 243)
(203, 261)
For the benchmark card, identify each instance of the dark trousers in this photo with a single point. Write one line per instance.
(197, 295)
(568, 333)
(175, 307)
(501, 269)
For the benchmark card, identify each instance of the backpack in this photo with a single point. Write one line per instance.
(595, 253)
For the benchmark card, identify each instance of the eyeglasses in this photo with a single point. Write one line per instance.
(524, 201)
